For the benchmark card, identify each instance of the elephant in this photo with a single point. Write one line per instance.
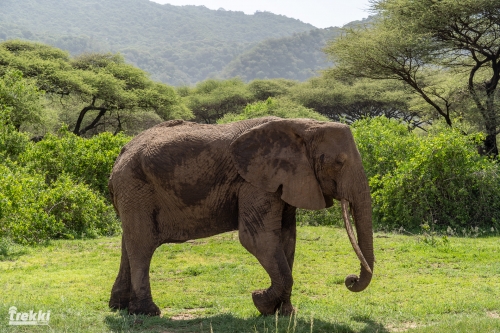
(180, 180)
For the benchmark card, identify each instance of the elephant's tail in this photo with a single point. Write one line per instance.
(112, 194)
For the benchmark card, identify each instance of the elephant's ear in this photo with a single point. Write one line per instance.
(274, 154)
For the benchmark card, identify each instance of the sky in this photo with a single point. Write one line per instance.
(320, 13)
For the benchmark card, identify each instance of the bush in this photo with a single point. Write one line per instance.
(437, 179)
(281, 107)
(212, 99)
(33, 212)
(86, 161)
(446, 183)
(331, 216)
(12, 142)
(263, 89)
(383, 143)
(57, 187)
(81, 211)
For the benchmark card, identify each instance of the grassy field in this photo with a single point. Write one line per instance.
(450, 285)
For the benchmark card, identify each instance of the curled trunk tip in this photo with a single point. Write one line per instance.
(352, 238)
(353, 282)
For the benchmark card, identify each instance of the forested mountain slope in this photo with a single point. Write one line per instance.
(176, 44)
(298, 57)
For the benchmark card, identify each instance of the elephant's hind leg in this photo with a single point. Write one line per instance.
(140, 235)
(120, 294)
(260, 234)
(141, 300)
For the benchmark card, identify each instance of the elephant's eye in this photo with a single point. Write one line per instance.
(340, 160)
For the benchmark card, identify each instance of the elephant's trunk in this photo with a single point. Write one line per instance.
(362, 214)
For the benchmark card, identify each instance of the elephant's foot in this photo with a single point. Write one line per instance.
(145, 307)
(286, 309)
(265, 304)
(268, 305)
(119, 301)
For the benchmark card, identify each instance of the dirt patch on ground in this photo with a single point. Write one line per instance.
(493, 314)
(188, 314)
(402, 327)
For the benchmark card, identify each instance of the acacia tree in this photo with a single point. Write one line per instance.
(380, 52)
(412, 38)
(115, 86)
(212, 99)
(92, 86)
(468, 35)
(341, 100)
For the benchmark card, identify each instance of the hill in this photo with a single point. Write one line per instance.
(297, 57)
(176, 44)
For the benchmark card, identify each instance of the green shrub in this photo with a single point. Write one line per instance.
(263, 89)
(33, 212)
(331, 216)
(212, 99)
(280, 107)
(81, 211)
(445, 183)
(437, 179)
(21, 217)
(383, 143)
(12, 142)
(86, 161)
(57, 187)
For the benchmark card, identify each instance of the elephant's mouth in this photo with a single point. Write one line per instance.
(330, 194)
(328, 200)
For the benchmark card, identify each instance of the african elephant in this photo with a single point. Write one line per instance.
(180, 181)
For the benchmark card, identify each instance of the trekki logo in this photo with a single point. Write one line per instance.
(28, 318)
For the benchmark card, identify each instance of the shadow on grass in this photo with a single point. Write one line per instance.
(227, 323)
(9, 251)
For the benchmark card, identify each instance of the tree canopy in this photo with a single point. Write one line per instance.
(94, 91)
(280, 107)
(23, 98)
(212, 99)
(426, 44)
(350, 101)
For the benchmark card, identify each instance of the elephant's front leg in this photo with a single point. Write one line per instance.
(260, 223)
(289, 233)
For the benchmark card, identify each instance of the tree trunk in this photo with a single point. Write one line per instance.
(487, 109)
(84, 111)
(490, 145)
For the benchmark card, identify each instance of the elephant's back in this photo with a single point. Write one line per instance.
(181, 133)
(176, 149)
(181, 146)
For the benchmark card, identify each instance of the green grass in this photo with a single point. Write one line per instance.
(205, 286)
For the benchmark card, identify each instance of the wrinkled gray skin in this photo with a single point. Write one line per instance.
(179, 181)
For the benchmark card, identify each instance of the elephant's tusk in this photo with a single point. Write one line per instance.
(348, 226)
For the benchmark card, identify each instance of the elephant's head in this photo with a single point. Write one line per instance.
(313, 163)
